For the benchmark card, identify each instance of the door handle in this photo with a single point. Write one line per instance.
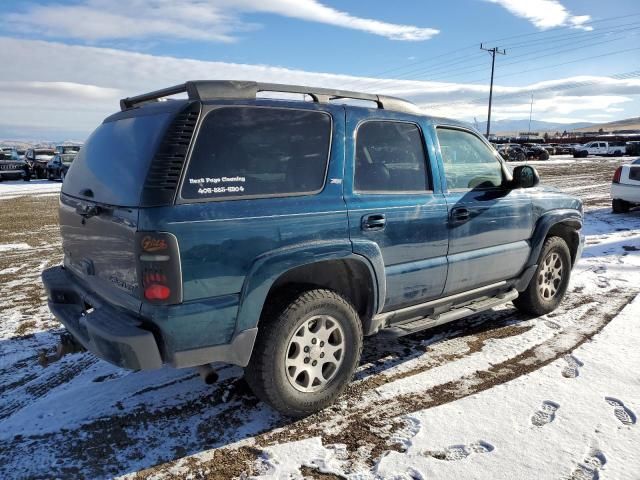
(460, 214)
(375, 221)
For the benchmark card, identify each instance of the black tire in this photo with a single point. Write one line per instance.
(620, 206)
(544, 156)
(267, 374)
(532, 300)
(50, 176)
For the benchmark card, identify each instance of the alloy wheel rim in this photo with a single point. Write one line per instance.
(314, 353)
(550, 276)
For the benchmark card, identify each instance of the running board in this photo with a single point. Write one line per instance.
(413, 326)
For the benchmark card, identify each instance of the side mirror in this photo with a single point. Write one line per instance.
(525, 176)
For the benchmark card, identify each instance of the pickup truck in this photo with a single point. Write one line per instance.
(274, 234)
(605, 149)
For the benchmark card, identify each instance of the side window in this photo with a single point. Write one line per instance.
(390, 157)
(468, 162)
(258, 152)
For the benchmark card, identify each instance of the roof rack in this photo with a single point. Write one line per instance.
(220, 89)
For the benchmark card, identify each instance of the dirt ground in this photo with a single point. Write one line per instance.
(81, 417)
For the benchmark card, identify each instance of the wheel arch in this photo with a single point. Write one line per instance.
(282, 275)
(565, 224)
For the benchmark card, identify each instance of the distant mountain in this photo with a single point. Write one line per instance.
(515, 126)
(627, 124)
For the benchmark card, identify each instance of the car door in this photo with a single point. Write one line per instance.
(394, 201)
(489, 225)
(604, 148)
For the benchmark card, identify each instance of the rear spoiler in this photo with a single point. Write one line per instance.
(228, 89)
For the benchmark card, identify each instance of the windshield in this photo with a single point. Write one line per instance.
(67, 158)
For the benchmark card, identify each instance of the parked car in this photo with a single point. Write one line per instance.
(71, 148)
(12, 169)
(601, 149)
(535, 151)
(625, 187)
(59, 165)
(18, 154)
(517, 154)
(633, 149)
(561, 149)
(275, 234)
(37, 159)
(512, 152)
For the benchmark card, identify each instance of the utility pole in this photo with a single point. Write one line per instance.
(492, 52)
(530, 113)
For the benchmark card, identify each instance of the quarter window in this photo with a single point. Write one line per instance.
(390, 157)
(254, 152)
(468, 162)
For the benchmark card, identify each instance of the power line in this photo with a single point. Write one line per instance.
(526, 57)
(554, 53)
(552, 88)
(431, 59)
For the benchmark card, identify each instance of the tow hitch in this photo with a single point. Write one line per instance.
(66, 345)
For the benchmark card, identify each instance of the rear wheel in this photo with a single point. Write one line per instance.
(305, 356)
(549, 284)
(620, 206)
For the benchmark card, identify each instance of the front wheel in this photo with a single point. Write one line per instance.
(305, 356)
(549, 284)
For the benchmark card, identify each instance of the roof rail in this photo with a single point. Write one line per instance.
(220, 89)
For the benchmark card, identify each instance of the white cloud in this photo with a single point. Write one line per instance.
(545, 14)
(209, 20)
(81, 85)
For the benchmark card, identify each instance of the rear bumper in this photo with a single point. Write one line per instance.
(127, 340)
(12, 174)
(111, 334)
(628, 193)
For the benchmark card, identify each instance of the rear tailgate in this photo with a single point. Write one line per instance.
(126, 165)
(99, 248)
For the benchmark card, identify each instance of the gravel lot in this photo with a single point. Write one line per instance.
(81, 417)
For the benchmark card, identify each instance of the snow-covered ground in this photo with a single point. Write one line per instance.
(17, 188)
(497, 395)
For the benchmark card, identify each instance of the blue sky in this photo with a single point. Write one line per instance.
(69, 61)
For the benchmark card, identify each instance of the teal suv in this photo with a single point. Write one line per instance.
(274, 234)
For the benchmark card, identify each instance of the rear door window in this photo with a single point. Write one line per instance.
(390, 158)
(244, 152)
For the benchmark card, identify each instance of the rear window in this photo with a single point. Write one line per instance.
(114, 161)
(258, 152)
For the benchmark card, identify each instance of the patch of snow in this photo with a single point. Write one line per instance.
(6, 247)
(20, 188)
(543, 425)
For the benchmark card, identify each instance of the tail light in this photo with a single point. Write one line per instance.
(159, 272)
(616, 176)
